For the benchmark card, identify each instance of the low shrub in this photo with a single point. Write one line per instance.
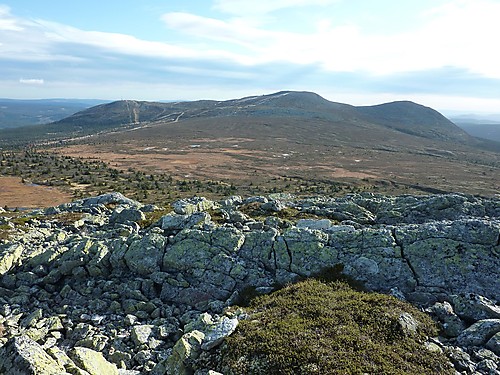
(317, 327)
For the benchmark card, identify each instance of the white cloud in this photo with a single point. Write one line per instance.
(464, 33)
(245, 7)
(41, 40)
(233, 31)
(460, 34)
(112, 42)
(7, 22)
(218, 73)
(31, 81)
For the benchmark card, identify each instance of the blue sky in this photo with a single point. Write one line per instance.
(440, 53)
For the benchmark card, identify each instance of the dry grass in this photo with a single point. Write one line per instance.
(15, 193)
(255, 150)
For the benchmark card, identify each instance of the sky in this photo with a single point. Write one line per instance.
(440, 53)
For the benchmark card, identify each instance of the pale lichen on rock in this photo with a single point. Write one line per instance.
(129, 293)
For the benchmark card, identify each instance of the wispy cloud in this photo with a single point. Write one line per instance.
(41, 40)
(7, 22)
(460, 34)
(31, 81)
(214, 29)
(245, 7)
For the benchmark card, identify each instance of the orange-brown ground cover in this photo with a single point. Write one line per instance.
(15, 193)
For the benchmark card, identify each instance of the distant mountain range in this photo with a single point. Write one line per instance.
(405, 117)
(67, 117)
(476, 118)
(15, 113)
(486, 127)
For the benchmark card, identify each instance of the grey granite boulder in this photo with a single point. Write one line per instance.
(319, 224)
(186, 349)
(141, 333)
(144, 256)
(192, 205)
(457, 257)
(173, 223)
(109, 198)
(217, 331)
(479, 333)
(93, 362)
(9, 255)
(452, 325)
(494, 343)
(214, 328)
(123, 215)
(474, 307)
(21, 355)
(103, 284)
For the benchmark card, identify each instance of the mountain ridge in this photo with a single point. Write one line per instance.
(404, 116)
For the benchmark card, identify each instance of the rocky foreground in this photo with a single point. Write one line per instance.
(106, 285)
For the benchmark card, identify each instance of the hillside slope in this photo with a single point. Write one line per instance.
(405, 117)
(415, 119)
(299, 135)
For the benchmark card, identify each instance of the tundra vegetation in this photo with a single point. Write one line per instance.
(88, 177)
(318, 327)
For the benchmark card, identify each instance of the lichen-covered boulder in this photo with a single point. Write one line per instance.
(109, 198)
(474, 307)
(454, 256)
(23, 356)
(494, 344)
(304, 251)
(452, 325)
(9, 255)
(187, 348)
(479, 333)
(192, 205)
(214, 328)
(319, 224)
(144, 256)
(141, 333)
(93, 362)
(203, 249)
(173, 223)
(123, 215)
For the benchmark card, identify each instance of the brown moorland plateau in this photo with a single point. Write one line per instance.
(299, 135)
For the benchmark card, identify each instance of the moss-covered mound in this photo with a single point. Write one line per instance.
(328, 328)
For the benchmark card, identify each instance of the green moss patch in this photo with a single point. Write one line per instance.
(255, 211)
(314, 327)
(154, 216)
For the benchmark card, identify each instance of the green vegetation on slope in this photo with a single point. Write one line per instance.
(87, 177)
(314, 327)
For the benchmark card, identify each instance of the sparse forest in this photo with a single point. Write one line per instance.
(83, 178)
